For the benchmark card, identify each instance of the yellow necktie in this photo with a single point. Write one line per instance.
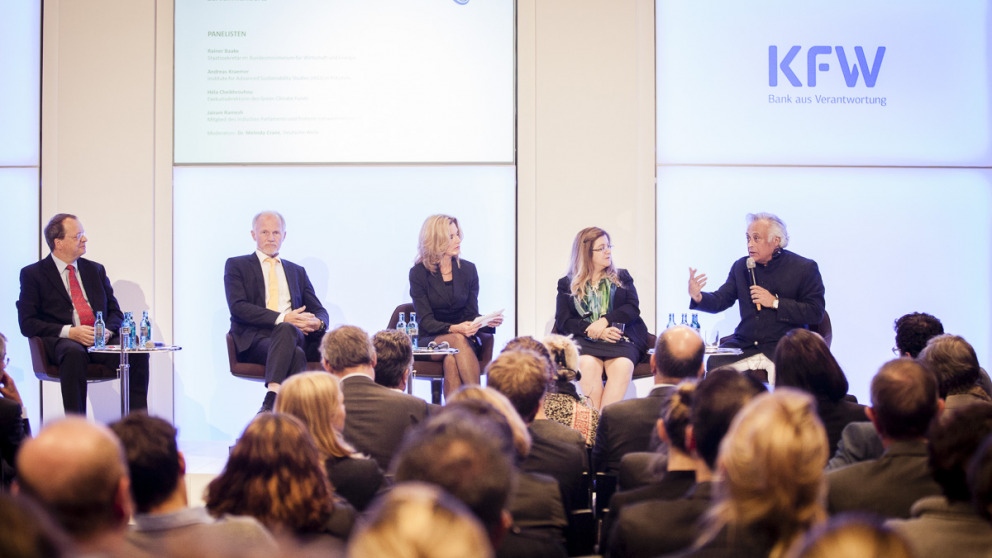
(272, 303)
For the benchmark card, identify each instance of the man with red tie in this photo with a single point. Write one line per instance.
(60, 296)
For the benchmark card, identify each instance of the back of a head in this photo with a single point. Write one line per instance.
(152, 458)
(522, 376)
(772, 461)
(718, 398)
(76, 469)
(954, 439)
(678, 353)
(904, 399)
(417, 520)
(316, 399)
(564, 352)
(394, 355)
(461, 453)
(954, 362)
(27, 532)
(803, 361)
(678, 414)
(914, 330)
(347, 347)
(275, 475)
(489, 404)
(854, 536)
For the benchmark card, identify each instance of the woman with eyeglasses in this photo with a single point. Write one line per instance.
(445, 292)
(597, 303)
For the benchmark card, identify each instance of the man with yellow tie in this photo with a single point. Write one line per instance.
(276, 318)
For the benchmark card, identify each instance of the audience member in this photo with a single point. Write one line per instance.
(904, 400)
(913, 331)
(315, 398)
(377, 416)
(522, 376)
(14, 425)
(393, 358)
(164, 523)
(663, 526)
(803, 361)
(678, 472)
(628, 426)
(274, 474)
(563, 402)
(417, 520)
(771, 466)
(27, 532)
(954, 362)
(948, 525)
(980, 479)
(852, 535)
(77, 472)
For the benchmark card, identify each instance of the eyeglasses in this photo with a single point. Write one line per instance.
(896, 351)
(603, 248)
(442, 346)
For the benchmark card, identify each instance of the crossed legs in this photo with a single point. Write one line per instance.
(460, 369)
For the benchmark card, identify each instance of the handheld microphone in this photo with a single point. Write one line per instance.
(750, 269)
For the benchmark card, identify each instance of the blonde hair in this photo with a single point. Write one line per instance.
(771, 462)
(315, 398)
(580, 268)
(853, 535)
(434, 240)
(419, 520)
(521, 436)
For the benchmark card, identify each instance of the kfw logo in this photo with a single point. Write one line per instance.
(813, 65)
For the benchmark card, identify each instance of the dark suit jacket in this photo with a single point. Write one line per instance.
(356, 479)
(13, 430)
(45, 307)
(836, 415)
(672, 486)
(376, 417)
(437, 306)
(627, 426)
(626, 309)
(559, 452)
(887, 486)
(859, 441)
(660, 527)
(245, 288)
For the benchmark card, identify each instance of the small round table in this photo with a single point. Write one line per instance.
(124, 369)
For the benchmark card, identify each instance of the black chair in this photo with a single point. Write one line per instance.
(47, 371)
(580, 535)
(250, 370)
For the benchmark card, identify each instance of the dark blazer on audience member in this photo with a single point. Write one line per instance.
(672, 486)
(859, 441)
(658, 527)
(356, 479)
(13, 431)
(560, 452)
(377, 417)
(536, 504)
(835, 415)
(245, 288)
(628, 426)
(887, 486)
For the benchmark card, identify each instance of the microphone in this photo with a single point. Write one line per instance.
(750, 269)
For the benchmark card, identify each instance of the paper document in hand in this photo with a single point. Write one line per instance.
(483, 321)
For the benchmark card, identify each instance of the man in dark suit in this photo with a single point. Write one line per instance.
(60, 297)
(904, 401)
(628, 426)
(276, 318)
(377, 416)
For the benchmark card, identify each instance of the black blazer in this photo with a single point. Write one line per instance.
(377, 417)
(626, 309)
(13, 431)
(245, 288)
(628, 426)
(45, 307)
(438, 307)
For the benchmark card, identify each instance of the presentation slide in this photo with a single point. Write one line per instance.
(335, 81)
(845, 83)
(888, 242)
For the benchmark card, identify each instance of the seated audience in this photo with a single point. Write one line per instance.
(14, 425)
(377, 416)
(27, 532)
(980, 479)
(315, 398)
(523, 376)
(629, 426)
(771, 466)
(658, 527)
(274, 474)
(949, 525)
(679, 468)
(393, 358)
(418, 520)
(913, 331)
(854, 536)
(955, 363)
(904, 400)
(77, 472)
(803, 361)
(163, 522)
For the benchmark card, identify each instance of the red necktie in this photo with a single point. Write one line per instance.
(78, 300)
